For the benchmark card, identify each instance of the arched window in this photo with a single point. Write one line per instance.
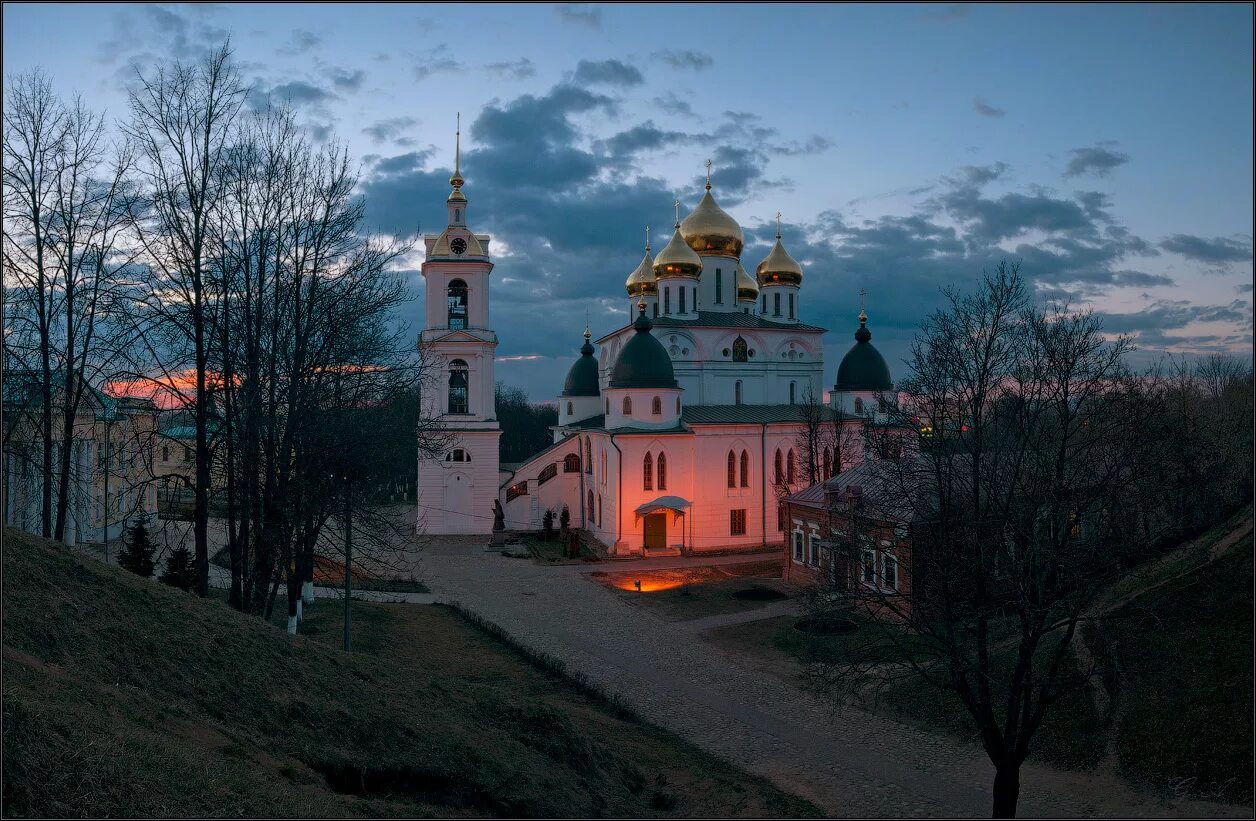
(858, 404)
(457, 215)
(739, 350)
(777, 475)
(789, 467)
(647, 472)
(458, 455)
(458, 387)
(792, 386)
(457, 298)
(599, 510)
(589, 511)
(165, 453)
(569, 409)
(828, 463)
(662, 472)
(745, 469)
(571, 463)
(678, 404)
(608, 405)
(627, 406)
(588, 456)
(732, 470)
(656, 406)
(737, 392)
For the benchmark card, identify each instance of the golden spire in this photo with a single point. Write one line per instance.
(863, 317)
(456, 180)
(708, 168)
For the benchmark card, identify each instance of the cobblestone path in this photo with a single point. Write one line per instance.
(849, 763)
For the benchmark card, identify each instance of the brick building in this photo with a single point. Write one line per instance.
(852, 533)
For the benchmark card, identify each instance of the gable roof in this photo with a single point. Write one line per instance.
(886, 488)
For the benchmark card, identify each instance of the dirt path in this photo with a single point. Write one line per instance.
(851, 763)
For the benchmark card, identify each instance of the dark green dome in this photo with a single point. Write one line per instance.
(582, 378)
(643, 363)
(863, 368)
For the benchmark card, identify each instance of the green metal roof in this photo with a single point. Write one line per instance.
(582, 377)
(863, 368)
(716, 319)
(643, 362)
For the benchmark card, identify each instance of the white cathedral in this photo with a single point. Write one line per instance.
(679, 434)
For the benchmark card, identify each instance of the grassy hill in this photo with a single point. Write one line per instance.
(123, 697)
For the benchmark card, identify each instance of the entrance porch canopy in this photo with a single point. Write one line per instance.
(673, 503)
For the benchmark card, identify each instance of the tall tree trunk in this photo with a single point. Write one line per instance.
(1006, 790)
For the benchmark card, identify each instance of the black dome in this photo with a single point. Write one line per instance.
(643, 363)
(863, 368)
(582, 378)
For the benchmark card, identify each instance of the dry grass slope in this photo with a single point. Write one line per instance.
(126, 698)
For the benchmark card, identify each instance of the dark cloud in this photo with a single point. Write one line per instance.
(567, 207)
(300, 42)
(1218, 250)
(585, 14)
(1096, 160)
(947, 13)
(438, 60)
(296, 93)
(345, 80)
(671, 104)
(160, 32)
(685, 59)
(644, 137)
(607, 72)
(1152, 326)
(520, 69)
(391, 130)
(985, 109)
(814, 145)
(426, 68)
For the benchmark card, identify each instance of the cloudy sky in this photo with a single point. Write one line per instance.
(1107, 148)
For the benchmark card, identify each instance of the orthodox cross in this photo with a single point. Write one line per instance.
(677, 204)
(647, 238)
(778, 224)
(708, 168)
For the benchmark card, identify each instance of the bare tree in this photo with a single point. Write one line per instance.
(34, 139)
(1018, 505)
(182, 123)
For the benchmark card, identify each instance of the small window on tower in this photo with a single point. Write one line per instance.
(656, 407)
(719, 286)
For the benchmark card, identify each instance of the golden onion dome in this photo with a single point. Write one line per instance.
(747, 288)
(677, 259)
(779, 268)
(641, 281)
(710, 231)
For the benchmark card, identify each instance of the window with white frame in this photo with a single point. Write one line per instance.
(889, 571)
(813, 543)
(798, 546)
(869, 567)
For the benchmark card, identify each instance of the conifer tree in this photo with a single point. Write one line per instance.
(180, 570)
(137, 553)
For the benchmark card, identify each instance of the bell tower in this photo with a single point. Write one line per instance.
(457, 488)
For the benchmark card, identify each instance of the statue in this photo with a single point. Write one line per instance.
(499, 516)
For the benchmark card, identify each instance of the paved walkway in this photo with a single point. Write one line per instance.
(850, 763)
